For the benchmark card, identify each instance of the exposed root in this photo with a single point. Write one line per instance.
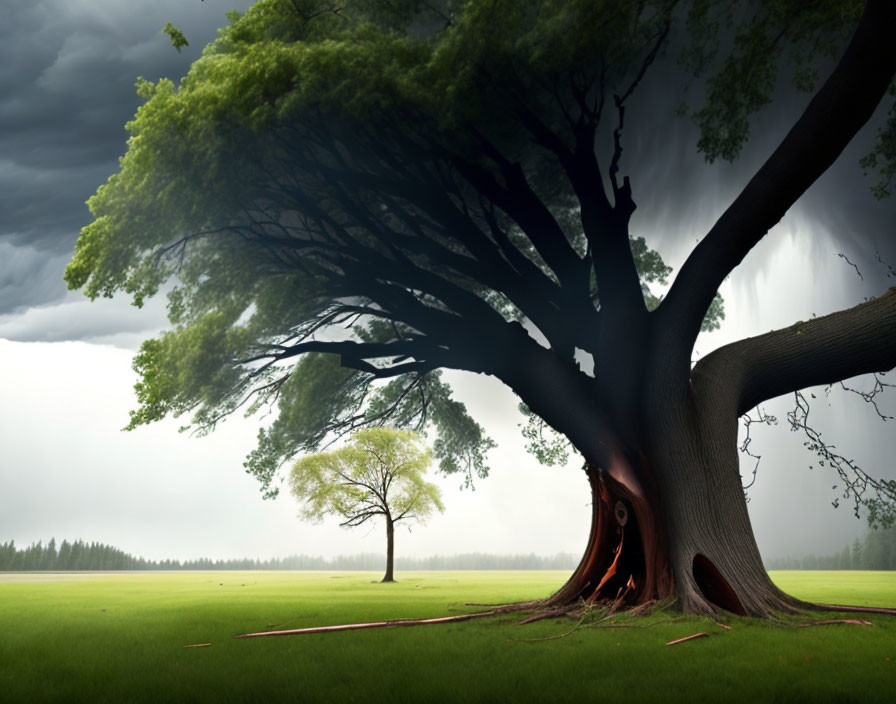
(641, 609)
(548, 613)
(597, 616)
(553, 637)
(857, 609)
(599, 613)
(835, 621)
(641, 625)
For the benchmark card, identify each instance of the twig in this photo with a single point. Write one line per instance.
(687, 638)
(554, 637)
(549, 613)
(846, 259)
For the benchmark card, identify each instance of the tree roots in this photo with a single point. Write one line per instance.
(602, 614)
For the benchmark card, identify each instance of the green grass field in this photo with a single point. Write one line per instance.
(120, 637)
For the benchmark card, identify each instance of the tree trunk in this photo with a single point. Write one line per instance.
(390, 549)
(669, 520)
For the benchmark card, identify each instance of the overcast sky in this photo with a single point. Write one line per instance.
(67, 73)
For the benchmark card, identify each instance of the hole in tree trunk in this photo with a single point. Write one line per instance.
(623, 561)
(714, 587)
(625, 574)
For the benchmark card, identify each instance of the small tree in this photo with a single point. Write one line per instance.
(379, 473)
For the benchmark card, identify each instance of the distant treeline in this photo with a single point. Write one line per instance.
(68, 556)
(81, 556)
(877, 551)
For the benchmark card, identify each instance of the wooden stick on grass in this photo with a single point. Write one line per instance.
(374, 624)
(687, 638)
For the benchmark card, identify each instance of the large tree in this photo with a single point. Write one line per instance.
(344, 198)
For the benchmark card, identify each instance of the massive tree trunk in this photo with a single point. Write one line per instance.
(674, 526)
(669, 513)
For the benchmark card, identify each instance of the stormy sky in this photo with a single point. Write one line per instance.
(67, 74)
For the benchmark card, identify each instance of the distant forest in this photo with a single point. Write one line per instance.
(877, 551)
(81, 556)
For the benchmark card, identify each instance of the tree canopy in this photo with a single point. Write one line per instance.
(343, 198)
(378, 473)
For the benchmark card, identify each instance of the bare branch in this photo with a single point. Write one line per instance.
(857, 483)
(846, 259)
(825, 350)
(748, 420)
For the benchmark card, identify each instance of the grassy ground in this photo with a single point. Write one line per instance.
(120, 637)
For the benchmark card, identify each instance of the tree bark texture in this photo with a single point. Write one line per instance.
(670, 520)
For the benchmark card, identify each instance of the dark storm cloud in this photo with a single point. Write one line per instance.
(28, 274)
(67, 75)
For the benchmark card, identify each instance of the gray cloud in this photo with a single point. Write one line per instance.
(105, 321)
(28, 274)
(67, 75)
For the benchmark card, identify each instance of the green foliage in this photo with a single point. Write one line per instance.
(765, 36)
(322, 401)
(318, 399)
(544, 443)
(291, 110)
(188, 368)
(883, 157)
(715, 315)
(379, 472)
(769, 37)
(178, 40)
(881, 512)
(653, 270)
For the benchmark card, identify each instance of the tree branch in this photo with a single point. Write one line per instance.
(834, 115)
(824, 350)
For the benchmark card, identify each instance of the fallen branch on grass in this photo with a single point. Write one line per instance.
(389, 624)
(687, 638)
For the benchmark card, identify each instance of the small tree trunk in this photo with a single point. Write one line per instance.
(390, 549)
